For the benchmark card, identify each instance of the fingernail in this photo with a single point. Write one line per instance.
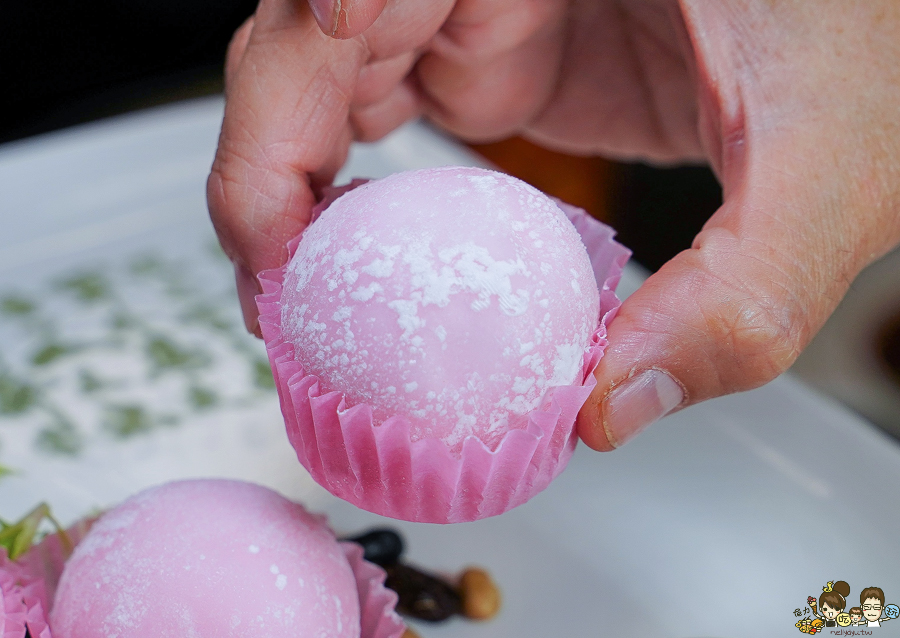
(326, 12)
(247, 289)
(638, 402)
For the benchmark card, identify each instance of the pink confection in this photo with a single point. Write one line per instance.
(453, 297)
(394, 466)
(208, 558)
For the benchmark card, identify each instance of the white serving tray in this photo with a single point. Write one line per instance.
(719, 521)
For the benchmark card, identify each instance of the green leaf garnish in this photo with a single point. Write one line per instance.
(146, 265)
(121, 321)
(18, 537)
(165, 354)
(207, 315)
(50, 353)
(89, 287)
(89, 382)
(124, 421)
(16, 396)
(60, 438)
(202, 398)
(16, 306)
(262, 375)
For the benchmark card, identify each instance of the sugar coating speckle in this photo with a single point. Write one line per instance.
(456, 297)
(138, 573)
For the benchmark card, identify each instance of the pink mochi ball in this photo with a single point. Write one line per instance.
(207, 558)
(453, 297)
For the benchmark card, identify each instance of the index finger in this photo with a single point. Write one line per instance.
(285, 120)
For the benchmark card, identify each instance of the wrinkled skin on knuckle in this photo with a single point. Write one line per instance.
(718, 320)
(247, 202)
(758, 338)
(492, 67)
(752, 305)
(404, 26)
(378, 79)
(375, 121)
(482, 31)
(224, 194)
(479, 108)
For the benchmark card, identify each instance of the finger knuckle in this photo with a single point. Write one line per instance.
(474, 37)
(762, 335)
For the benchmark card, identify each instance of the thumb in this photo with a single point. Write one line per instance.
(343, 19)
(809, 155)
(731, 313)
(717, 318)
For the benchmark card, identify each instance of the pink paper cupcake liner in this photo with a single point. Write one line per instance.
(377, 604)
(378, 469)
(38, 572)
(28, 586)
(36, 614)
(12, 603)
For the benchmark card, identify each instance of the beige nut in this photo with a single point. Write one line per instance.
(479, 593)
(409, 633)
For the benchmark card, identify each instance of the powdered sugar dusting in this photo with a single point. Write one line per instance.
(457, 297)
(145, 578)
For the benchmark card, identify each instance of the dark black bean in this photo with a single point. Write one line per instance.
(422, 595)
(380, 546)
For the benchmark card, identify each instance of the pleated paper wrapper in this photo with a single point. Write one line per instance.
(376, 466)
(28, 585)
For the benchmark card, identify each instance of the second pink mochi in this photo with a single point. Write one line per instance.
(207, 558)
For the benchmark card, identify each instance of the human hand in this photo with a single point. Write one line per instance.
(480, 68)
(795, 105)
